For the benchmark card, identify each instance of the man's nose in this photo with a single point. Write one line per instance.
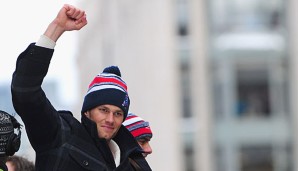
(147, 149)
(110, 117)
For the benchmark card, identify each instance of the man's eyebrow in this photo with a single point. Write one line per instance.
(145, 139)
(119, 111)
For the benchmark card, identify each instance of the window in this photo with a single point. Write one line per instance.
(189, 151)
(256, 158)
(253, 15)
(252, 93)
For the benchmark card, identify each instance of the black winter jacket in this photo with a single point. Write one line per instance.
(60, 141)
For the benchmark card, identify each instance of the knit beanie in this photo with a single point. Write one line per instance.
(137, 126)
(107, 88)
(6, 130)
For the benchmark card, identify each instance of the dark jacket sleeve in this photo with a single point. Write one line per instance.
(29, 100)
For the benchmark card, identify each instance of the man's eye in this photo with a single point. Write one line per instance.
(118, 114)
(103, 110)
(142, 142)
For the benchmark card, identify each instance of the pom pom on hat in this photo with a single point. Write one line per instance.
(113, 70)
(107, 88)
(137, 126)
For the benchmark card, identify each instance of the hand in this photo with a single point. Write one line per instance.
(69, 18)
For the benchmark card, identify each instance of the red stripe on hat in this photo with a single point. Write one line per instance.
(100, 79)
(141, 131)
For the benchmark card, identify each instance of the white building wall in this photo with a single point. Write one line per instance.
(200, 78)
(293, 52)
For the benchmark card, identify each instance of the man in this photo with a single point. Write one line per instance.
(9, 141)
(141, 131)
(99, 142)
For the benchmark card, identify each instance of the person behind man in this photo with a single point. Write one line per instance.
(140, 130)
(9, 141)
(99, 142)
(19, 163)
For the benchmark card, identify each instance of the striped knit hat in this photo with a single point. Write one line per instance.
(107, 88)
(6, 130)
(137, 126)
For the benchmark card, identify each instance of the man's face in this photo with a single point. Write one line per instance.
(108, 119)
(144, 143)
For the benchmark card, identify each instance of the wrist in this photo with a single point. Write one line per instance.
(54, 31)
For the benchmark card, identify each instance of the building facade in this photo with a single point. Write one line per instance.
(215, 79)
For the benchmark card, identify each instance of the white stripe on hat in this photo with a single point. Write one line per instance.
(132, 120)
(110, 75)
(101, 87)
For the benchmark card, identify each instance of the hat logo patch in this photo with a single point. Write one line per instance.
(125, 102)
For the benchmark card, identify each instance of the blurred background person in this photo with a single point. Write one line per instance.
(9, 141)
(141, 130)
(19, 163)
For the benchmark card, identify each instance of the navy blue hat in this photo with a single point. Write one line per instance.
(107, 88)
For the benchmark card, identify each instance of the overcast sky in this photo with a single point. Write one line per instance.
(22, 22)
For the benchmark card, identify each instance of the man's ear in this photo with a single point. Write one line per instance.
(87, 114)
